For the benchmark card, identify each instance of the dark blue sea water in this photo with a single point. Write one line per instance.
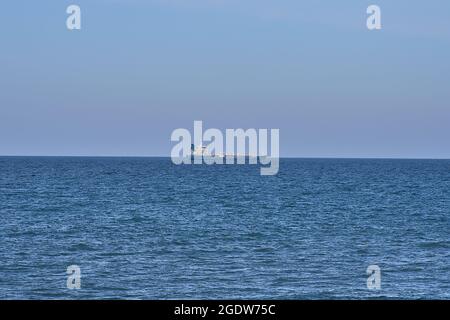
(143, 228)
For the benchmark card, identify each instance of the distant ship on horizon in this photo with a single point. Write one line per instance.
(198, 151)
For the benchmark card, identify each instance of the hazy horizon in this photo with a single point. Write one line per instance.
(168, 157)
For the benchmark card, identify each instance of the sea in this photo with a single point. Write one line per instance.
(144, 228)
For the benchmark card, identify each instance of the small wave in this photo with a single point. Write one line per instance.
(435, 244)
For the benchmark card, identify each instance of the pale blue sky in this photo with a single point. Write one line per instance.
(139, 69)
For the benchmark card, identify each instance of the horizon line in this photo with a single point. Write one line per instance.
(165, 156)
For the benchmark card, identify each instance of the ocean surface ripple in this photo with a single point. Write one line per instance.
(144, 228)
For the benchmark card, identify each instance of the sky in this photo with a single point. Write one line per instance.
(137, 70)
